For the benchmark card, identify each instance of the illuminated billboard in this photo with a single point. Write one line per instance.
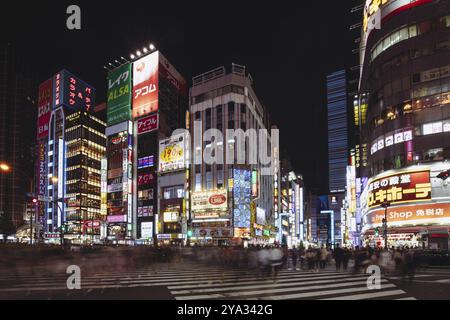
(44, 108)
(119, 95)
(209, 204)
(404, 186)
(409, 215)
(242, 193)
(386, 9)
(147, 124)
(172, 153)
(145, 85)
(70, 91)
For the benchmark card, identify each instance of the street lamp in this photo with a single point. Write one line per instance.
(4, 167)
(385, 205)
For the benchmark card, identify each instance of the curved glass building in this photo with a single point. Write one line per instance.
(404, 114)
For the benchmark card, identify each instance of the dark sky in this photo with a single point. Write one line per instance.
(287, 46)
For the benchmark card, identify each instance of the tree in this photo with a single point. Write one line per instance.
(6, 225)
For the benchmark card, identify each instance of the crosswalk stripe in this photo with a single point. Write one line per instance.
(272, 291)
(343, 277)
(322, 293)
(170, 280)
(298, 286)
(370, 295)
(200, 282)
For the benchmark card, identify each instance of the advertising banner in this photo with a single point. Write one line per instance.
(145, 85)
(404, 186)
(210, 200)
(172, 154)
(146, 230)
(117, 218)
(42, 170)
(242, 186)
(212, 232)
(403, 215)
(44, 108)
(117, 187)
(148, 124)
(145, 179)
(119, 95)
(115, 173)
(72, 92)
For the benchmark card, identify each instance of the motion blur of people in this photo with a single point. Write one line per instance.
(311, 256)
(294, 257)
(276, 261)
(324, 254)
(338, 257)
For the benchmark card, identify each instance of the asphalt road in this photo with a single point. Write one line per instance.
(199, 281)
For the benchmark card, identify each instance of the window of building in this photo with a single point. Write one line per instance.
(176, 192)
(198, 182)
(432, 128)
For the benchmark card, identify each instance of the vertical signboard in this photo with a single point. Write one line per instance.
(242, 198)
(145, 85)
(44, 108)
(119, 95)
(104, 187)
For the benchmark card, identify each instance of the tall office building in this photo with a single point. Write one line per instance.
(71, 143)
(226, 196)
(147, 101)
(338, 148)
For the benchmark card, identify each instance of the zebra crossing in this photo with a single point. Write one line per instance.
(191, 281)
(290, 285)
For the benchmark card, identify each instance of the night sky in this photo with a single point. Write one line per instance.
(287, 46)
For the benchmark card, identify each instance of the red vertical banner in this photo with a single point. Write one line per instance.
(44, 108)
(145, 85)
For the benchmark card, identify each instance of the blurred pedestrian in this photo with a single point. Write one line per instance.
(323, 257)
(338, 257)
(294, 257)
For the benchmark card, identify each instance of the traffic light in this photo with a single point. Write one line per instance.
(444, 175)
(189, 233)
(377, 232)
(34, 200)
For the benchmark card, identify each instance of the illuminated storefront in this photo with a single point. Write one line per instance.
(418, 211)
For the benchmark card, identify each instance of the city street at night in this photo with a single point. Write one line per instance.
(214, 153)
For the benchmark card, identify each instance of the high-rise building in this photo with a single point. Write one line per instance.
(17, 132)
(159, 106)
(227, 190)
(71, 145)
(405, 86)
(338, 147)
(147, 101)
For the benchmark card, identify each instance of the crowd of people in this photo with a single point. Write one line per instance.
(263, 261)
(268, 260)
